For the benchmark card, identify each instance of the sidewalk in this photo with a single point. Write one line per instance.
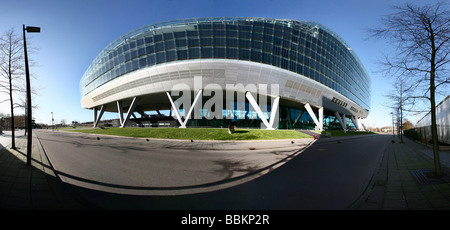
(34, 187)
(405, 182)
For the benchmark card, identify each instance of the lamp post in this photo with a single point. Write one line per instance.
(393, 136)
(29, 29)
(53, 126)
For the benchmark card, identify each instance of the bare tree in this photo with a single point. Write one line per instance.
(11, 67)
(421, 36)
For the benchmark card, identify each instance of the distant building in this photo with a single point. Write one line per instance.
(19, 122)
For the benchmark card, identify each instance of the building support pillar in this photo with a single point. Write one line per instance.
(355, 122)
(131, 109)
(99, 117)
(318, 122)
(119, 109)
(188, 115)
(273, 111)
(361, 121)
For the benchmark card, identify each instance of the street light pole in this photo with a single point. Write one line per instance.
(53, 126)
(393, 136)
(29, 29)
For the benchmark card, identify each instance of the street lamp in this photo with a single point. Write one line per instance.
(393, 136)
(53, 126)
(29, 29)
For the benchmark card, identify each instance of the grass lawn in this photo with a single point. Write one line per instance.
(338, 133)
(198, 133)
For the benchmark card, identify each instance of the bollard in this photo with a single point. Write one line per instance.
(314, 135)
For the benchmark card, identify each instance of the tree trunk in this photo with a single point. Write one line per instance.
(13, 141)
(434, 135)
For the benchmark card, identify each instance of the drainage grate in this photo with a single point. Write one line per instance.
(426, 176)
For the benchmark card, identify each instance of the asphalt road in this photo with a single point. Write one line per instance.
(120, 173)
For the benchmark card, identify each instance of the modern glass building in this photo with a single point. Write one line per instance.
(321, 82)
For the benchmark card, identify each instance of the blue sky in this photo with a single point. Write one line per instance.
(73, 32)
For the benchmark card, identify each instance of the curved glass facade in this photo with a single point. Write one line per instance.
(306, 48)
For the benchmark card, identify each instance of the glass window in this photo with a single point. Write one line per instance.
(205, 42)
(151, 60)
(244, 27)
(135, 64)
(230, 27)
(192, 33)
(218, 25)
(132, 44)
(141, 51)
(244, 54)
(255, 56)
(182, 54)
(194, 53)
(258, 27)
(219, 52)
(140, 42)
(181, 43)
(244, 43)
(133, 54)
(192, 42)
(127, 56)
(276, 50)
(244, 34)
(275, 60)
(149, 49)
(160, 57)
(257, 36)
(219, 33)
(168, 36)
(204, 26)
(126, 47)
(267, 47)
(232, 33)
(127, 67)
(230, 42)
(284, 63)
(206, 33)
(170, 44)
(148, 40)
(159, 46)
(284, 53)
(158, 38)
(170, 55)
(267, 58)
(142, 62)
(257, 45)
(179, 34)
(219, 41)
(232, 53)
(206, 52)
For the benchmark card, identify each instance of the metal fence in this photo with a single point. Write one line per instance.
(423, 134)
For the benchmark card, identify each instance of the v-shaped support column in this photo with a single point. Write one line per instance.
(188, 115)
(97, 118)
(131, 109)
(273, 112)
(355, 122)
(341, 120)
(319, 123)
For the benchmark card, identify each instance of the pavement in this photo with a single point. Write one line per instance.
(402, 180)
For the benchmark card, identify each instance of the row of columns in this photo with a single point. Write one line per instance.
(342, 119)
(269, 124)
